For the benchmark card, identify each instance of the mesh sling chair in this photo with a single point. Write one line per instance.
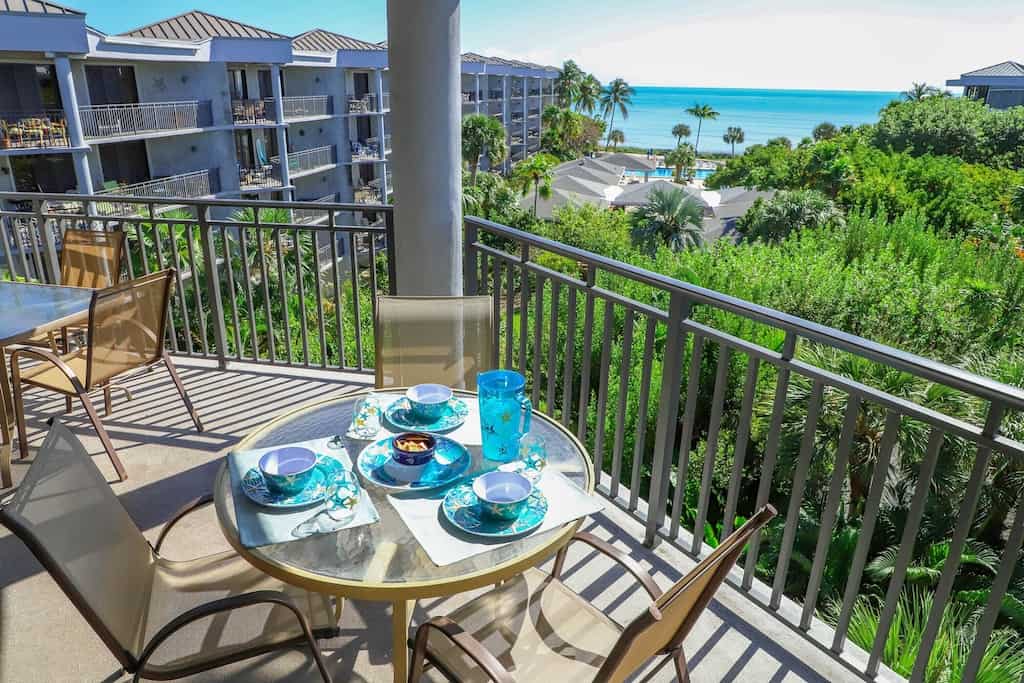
(439, 339)
(161, 619)
(535, 628)
(125, 333)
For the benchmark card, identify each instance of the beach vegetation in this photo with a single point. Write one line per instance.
(682, 159)
(824, 131)
(671, 218)
(482, 135)
(589, 95)
(780, 141)
(922, 91)
(534, 174)
(617, 137)
(567, 83)
(701, 112)
(734, 136)
(680, 131)
(569, 134)
(616, 97)
(773, 219)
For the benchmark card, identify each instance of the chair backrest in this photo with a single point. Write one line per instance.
(68, 516)
(126, 326)
(662, 627)
(445, 340)
(91, 258)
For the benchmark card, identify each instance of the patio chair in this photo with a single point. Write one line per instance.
(125, 333)
(160, 618)
(446, 340)
(535, 628)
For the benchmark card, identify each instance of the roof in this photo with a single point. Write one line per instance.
(196, 25)
(322, 40)
(1001, 69)
(633, 162)
(474, 58)
(559, 197)
(637, 194)
(36, 7)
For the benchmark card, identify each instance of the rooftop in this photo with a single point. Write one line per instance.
(197, 25)
(36, 7)
(322, 40)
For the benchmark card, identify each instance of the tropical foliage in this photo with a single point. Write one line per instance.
(534, 175)
(734, 136)
(569, 134)
(682, 159)
(701, 112)
(616, 97)
(482, 135)
(788, 210)
(670, 218)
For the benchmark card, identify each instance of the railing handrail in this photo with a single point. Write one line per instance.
(932, 370)
(153, 183)
(126, 105)
(198, 202)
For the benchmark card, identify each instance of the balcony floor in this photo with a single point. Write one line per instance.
(42, 637)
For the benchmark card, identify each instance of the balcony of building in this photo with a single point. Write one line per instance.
(369, 103)
(310, 161)
(367, 150)
(253, 112)
(33, 130)
(307, 107)
(312, 216)
(194, 185)
(595, 358)
(263, 176)
(117, 122)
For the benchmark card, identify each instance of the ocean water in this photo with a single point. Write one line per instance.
(762, 114)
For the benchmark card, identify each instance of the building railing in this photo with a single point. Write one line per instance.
(639, 366)
(375, 142)
(369, 104)
(304, 106)
(194, 185)
(121, 120)
(310, 159)
(249, 285)
(496, 95)
(33, 130)
(253, 112)
(314, 216)
(365, 150)
(268, 175)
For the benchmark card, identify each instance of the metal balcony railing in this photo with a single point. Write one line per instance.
(33, 130)
(369, 104)
(121, 120)
(253, 112)
(365, 150)
(314, 216)
(304, 106)
(194, 185)
(310, 159)
(265, 176)
(374, 142)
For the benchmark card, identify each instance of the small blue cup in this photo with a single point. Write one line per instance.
(502, 494)
(428, 401)
(287, 470)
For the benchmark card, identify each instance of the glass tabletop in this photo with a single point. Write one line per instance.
(29, 307)
(387, 554)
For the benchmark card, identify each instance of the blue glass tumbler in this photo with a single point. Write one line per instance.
(505, 413)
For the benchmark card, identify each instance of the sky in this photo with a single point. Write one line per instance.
(812, 44)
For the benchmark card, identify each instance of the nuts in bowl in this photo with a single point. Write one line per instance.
(413, 448)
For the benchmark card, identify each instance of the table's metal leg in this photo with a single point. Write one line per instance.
(6, 417)
(400, 616)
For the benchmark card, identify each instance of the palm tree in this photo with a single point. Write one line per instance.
(680, 131)
(733, 135)
(670, 217)
(617, 95)
(682, 157)
(617, 137)
(588, 93)
(482, 134)
(567, 83)
(701, 112)
(534, 174)
(920, 91)
(824, 131)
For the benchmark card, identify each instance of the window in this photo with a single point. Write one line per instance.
(360, 84)
(44, 173)
(29, 88)
(111, 84)
(125, 163)
(266, 83)
(239, 88)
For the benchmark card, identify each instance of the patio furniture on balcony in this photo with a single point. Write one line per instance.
(370, 103)
(253, 112)
(30, 131)
(268, 175)
(125, 333)
(534, 627)
(433, 339)
(153, 613)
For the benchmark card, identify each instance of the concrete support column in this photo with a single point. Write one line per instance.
(379, 84)
(506, 120)
(526, 114)
(281, 129)
(426, 76)
(476, 85)
(69, 99)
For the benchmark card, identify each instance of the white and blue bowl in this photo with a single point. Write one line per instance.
(287, 470)
(502, 494)
(428, 401)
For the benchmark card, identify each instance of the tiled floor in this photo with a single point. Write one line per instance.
(42, 638)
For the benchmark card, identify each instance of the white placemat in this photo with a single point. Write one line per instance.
(259, 525)
(468, 433)
(446, 545)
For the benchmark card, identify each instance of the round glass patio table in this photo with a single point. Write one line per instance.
(383, 561)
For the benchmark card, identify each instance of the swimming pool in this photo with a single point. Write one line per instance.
(662, 172)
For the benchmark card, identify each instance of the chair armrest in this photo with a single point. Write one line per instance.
(461, 639)
(226, 605)
(605, 548)
(47, 356)
(189, 507)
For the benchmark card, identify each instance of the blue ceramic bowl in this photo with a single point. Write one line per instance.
(287, 470)
(428, 401)
(413, 457)
(502, 494)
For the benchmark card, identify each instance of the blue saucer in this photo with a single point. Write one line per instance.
(462, 508)
(451, 460)
(315, 491)
(400, 415)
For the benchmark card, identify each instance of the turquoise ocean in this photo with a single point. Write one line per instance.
(762, 114)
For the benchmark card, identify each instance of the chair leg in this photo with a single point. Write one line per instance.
(682, 671)
(101, 432)
(19, 415)
(107, 402)
(67, 405)
(184, 395)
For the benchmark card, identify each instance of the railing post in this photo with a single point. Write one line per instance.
(52, 262)
(665, 431)
(470, 259)
(389, 229)
(213, 285)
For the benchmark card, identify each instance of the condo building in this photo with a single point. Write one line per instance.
(202, 106)
(1000, 86)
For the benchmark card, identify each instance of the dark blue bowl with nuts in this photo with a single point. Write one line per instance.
(413, 448)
